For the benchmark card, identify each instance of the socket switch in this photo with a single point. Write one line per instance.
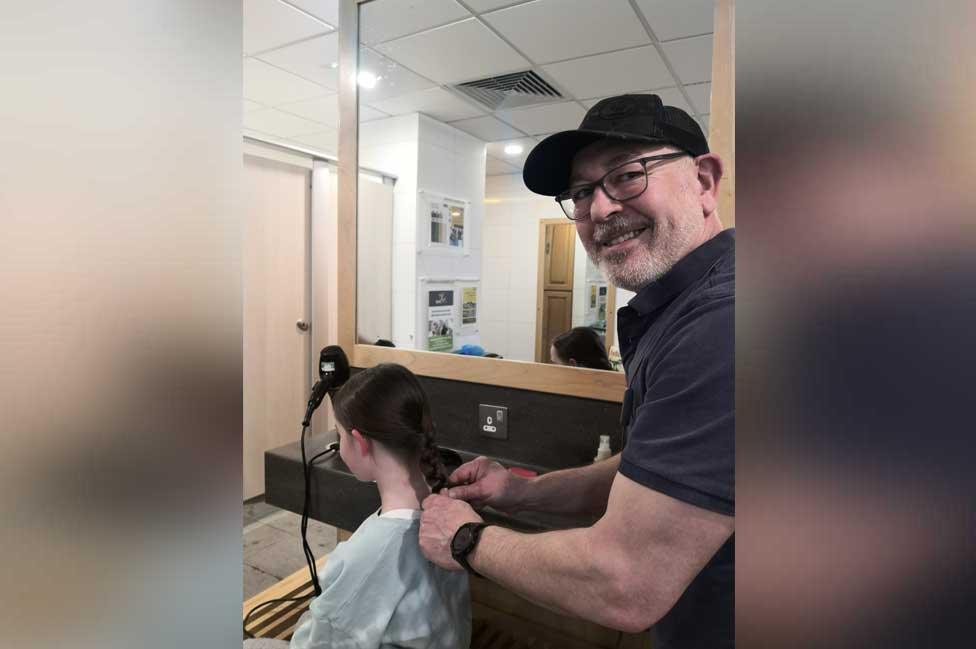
(493, 421)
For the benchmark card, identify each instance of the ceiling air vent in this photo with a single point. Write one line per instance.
(510, 90)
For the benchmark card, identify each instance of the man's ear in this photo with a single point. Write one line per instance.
(709, 177)
(362, 443)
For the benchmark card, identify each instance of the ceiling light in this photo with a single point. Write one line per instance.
(334, 65)
(368, 79)
(513, 149)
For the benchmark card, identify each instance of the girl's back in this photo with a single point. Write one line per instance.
(380, 591)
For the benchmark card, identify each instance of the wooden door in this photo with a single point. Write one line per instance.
(554, 306)
(275, 283)
(560, 255)
(557, 317)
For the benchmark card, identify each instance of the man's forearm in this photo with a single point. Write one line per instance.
(554, 569)
(583, 490)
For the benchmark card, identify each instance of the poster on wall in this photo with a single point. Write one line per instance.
(601, 315)
(596, 307)
(440, 320)
(446, 217)
(469, 310)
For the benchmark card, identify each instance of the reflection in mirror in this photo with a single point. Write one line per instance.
(455, 254)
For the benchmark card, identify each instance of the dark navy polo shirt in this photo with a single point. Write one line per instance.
(681, 432)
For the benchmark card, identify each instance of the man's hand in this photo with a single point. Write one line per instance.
(440, 521)
(483, 482)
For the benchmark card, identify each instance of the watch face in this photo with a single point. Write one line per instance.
(461, 540)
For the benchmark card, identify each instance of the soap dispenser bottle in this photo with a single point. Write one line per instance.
(603, 452)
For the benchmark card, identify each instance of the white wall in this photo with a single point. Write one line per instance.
(374, 245)
(424, 154)
(510, 265)
(451, 163)
(391, 146)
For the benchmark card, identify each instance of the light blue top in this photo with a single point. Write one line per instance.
(379, 591)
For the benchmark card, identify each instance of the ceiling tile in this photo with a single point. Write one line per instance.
(701, 96)
(669, 19)
(487, 128)
(311, 59)
(270, 23)
(369, 114)
(435, 102)
(258, 134)
(395, 80)
(555, 30)
(321, 109)
(543, 119)
(327, 10)
(497, 150)
(270, 86)
(670, 97)
(673, 97)
(481, 6)
(384, 20)
(612, 74)
(458, 52)
(326, 141)
(495, 167)
(249, 105)
(691, 58)
(326, 110)
(704, 123)
(278, 123)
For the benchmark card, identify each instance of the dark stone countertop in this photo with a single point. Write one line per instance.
(339, 499)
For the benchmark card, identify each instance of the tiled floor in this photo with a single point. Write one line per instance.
(273, 545)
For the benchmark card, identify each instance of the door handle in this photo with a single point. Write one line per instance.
(302, 325)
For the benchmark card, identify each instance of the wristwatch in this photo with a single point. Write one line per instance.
(464, 542)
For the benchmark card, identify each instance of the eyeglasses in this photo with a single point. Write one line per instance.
(622, 183)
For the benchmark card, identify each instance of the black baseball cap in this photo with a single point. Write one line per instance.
(628, 118)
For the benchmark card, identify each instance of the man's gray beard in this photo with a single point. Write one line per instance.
(650, 267)
(632, 279)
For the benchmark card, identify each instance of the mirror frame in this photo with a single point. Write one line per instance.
(525, 375)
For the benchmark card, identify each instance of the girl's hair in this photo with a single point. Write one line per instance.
(386, 403)
(585, 346)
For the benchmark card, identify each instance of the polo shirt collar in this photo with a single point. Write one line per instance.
(683, 274)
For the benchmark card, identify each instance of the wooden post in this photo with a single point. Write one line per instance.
(721, 122)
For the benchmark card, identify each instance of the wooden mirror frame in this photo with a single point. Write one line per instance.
(556, 379)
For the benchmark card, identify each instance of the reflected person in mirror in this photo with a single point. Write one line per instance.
(641, 185)
(580, 347)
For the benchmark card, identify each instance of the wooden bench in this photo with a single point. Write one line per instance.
(279, 620)
(501, 620)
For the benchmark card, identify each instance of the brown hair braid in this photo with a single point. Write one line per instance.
(386, 403)
(430, 459)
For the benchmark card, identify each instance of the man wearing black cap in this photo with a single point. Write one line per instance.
(639, 181)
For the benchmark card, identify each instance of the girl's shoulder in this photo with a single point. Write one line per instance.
(377, 532)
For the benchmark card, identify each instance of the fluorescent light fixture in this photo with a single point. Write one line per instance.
(367, 79)
(513, 149)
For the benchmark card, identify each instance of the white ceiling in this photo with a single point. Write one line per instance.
(586, 49)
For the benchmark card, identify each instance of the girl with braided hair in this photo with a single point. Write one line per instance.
(378, 589)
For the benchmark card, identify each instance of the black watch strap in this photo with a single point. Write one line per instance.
(461, 551)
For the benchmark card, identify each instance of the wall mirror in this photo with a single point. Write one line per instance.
(459, 267)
